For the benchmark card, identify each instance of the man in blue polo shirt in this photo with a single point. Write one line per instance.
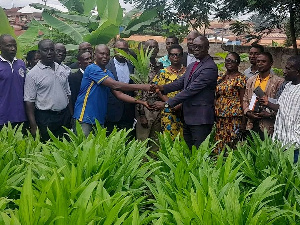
(12, 77)
(91, 104)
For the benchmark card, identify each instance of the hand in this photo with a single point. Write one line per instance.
(145, 87)
(253, 115)
(263, 100)
(146, 104)
(158, 105)
(144, 121)
(264, 114)
(33, 130)
(156, 88)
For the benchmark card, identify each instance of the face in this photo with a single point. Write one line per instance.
(60, 53)
(170, 42)
(8, 48)
(47, 53)
(35, 59)
(263, 63)
(85, 60)
(253, 53)
(86, 47)
(102, 56)
(200, 48)
(175, 56)
(152, 45)
(290, 73)
(231, 63)
(123, 46)
(190, 38)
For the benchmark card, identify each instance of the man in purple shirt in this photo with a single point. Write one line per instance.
(12, 77)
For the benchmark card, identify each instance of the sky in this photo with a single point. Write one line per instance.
(20, 3)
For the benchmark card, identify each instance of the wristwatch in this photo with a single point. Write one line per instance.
(167, 105)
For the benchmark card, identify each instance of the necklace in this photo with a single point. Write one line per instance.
(176, 71)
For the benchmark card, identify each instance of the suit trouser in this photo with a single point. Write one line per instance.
(154, 126)
(196, 134)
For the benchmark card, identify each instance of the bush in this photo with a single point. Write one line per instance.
(111, 180)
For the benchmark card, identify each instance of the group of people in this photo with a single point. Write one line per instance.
(188, 95)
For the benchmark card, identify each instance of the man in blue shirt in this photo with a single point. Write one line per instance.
(12, 77)
(91, 104)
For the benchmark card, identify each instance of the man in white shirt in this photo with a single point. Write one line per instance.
(188, 56)
(119, 113)
(287, 124)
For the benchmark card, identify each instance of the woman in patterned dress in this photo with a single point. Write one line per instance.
(229, 100)
(171, 119)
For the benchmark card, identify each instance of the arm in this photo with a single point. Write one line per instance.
(126, 98)
(206, 78)
(119, 86)
(70, 105)
(265, 101)
(174, 86)
(30, 107)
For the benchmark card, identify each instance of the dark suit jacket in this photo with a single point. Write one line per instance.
(198, 92)
(116, 109)
(184, 59)
(75, 82)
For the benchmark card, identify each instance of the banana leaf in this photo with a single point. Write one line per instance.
(110, 11)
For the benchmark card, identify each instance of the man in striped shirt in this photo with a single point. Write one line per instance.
(287, 124)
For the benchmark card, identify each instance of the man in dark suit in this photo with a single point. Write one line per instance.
(198, 86)
(188, 56)
(83, 47)
(120, 114)
(84, 59)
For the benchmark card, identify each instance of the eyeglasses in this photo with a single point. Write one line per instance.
(199, 47)
(231, 61)
(175, 54)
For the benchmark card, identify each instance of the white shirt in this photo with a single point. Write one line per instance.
(190, 59)
(122, 69)
(287, 124)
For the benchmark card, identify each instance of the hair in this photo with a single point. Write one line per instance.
(173, 37)
(3, 36)
(175, 46)
(236, 56)
(295, 60)
(30, 55)
(80, 54)
(147, 43)
(120, 40)
(267, 54)
(44, 41)
(204, 39)
(195, 32)
(260, 47)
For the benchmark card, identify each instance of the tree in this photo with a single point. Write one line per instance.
(271, 13)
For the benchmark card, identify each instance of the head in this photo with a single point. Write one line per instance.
(123, 45)
(190, 38)
(152, 44)
(255, 50)
(60, 52)
(200, 47)
(32, 58)
(264, 62)
(8, 47)
(85, 47)
(84, 60)
(102, 55)
(292, 69)
(175, 53)
(171, 40)
(46, 51)
(232, 61)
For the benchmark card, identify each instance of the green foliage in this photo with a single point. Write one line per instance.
(103, 179)
(278, 71)
(175, 29)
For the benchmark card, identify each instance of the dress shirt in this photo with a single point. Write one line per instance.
(122, 71)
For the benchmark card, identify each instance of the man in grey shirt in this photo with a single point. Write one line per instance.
(47, 94)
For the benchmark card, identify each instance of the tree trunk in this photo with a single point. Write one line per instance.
(292, 28)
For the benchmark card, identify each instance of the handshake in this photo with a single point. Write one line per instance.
(155, 88)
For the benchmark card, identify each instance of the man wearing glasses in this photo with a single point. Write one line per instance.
(198, 85)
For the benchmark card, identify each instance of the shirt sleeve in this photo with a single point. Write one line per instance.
(30, 89)
(98, 75)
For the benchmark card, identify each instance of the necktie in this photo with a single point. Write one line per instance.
(193, 69)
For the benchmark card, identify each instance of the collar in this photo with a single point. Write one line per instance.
(119, 63)
(191, 55)
(4, 60)
(81, 70)
(42, 66)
